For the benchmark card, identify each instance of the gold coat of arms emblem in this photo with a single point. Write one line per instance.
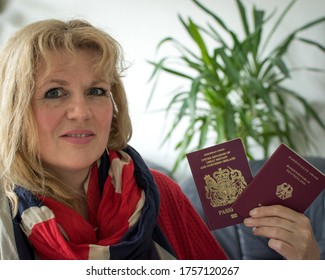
(224, 186)
(284, 191)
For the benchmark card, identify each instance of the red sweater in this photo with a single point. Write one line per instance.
(182, 225)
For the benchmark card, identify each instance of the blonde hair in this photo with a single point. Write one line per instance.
(20, 57)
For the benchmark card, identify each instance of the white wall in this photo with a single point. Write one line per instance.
(140, 24)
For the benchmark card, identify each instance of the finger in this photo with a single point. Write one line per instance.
(275, 232)
(270, 222)
(275, 211)
(294, 252)
(284, 249)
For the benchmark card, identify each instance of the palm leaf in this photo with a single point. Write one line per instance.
(232, 88)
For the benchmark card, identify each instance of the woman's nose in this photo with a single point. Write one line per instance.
(79, 108)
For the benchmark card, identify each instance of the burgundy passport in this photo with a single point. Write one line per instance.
(220, 173)
(286, 179)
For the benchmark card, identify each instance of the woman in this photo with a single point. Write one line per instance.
(76, 189)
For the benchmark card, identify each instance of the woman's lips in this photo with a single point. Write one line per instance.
(78, 136)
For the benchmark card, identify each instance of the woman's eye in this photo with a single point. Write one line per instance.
(97, 92)
(54, 93)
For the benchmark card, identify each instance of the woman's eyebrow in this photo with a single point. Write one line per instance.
(60, 82)
(65, 83)
(96, 82)
(54, 81)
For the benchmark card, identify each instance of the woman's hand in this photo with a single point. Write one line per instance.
(290, 232)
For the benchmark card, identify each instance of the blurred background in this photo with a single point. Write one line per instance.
(140, 25)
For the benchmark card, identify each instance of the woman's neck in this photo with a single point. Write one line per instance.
(75, 180)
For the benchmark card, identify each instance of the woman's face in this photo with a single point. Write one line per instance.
(73, 112)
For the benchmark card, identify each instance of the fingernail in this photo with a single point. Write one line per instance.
(247, 221)
(252, 212)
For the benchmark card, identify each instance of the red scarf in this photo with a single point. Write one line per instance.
(58, 232)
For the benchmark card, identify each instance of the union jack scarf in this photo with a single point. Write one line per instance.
(123, 207)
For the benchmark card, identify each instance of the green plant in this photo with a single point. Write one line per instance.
(3, 4)
(236, 87)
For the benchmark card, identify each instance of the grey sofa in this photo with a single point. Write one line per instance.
(238, 240)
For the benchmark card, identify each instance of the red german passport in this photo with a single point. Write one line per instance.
(221, 173)
(286, 179)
